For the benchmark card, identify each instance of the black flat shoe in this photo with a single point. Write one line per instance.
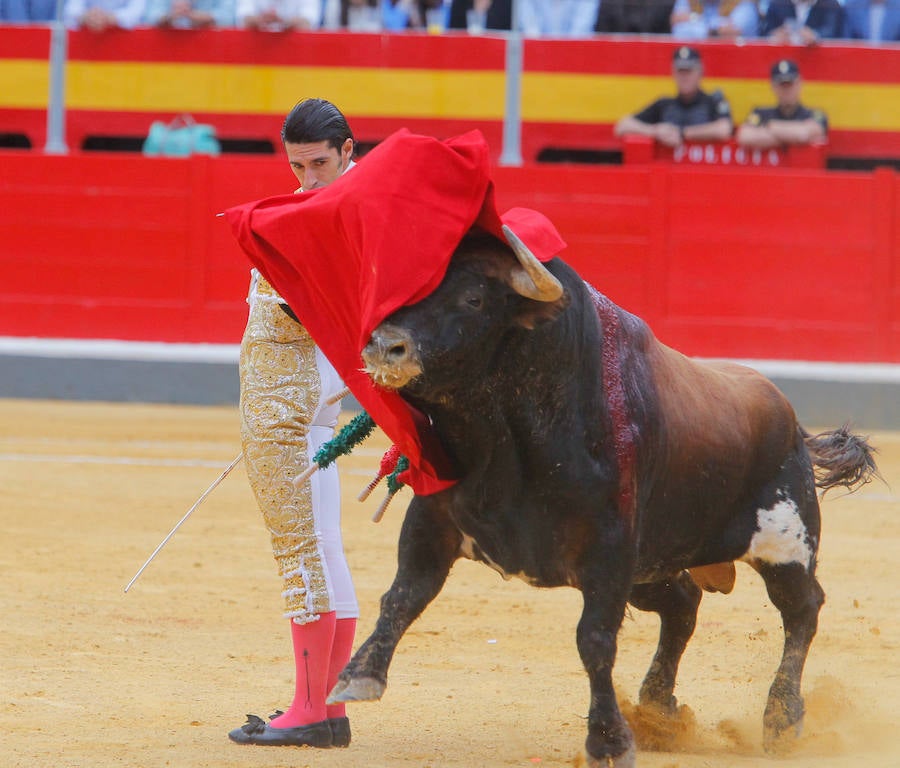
(257, 731)
(340, 731)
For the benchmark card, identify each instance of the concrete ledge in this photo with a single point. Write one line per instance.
(867, 395)
(118, 380)
(203, 374)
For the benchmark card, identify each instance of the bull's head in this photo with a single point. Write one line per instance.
(458, 327)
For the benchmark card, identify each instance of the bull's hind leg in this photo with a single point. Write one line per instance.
(676, 601)
(797, 594)
(783, 551)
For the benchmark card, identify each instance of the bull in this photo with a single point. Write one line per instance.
(591, 455)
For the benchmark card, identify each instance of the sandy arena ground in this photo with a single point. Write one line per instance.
(489, 676)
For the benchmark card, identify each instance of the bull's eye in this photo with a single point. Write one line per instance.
(474, 301)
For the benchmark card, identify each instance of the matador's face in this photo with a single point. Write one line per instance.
(317, 164)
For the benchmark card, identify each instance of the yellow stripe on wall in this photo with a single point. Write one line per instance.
(569, 98)
(393, 93)
(270, 90)
(854, 106)
(24, 84)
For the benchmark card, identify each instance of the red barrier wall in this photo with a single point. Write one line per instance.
(772, 263)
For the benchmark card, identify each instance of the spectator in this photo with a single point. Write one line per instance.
(190, 14)
(408, 14)
(99, 15)
(876, 21)
(646, 17)
(692, 115)
(787, 123)
(700, 19)
(497, 13)
(803, 23)
(27, 11)
(361, 15)
(557, 18)
(279, 15)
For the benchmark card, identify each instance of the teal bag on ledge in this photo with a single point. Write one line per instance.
(182, 137)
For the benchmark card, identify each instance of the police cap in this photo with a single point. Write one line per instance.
(686, 57)
(785, 71)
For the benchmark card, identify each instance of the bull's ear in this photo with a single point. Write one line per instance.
(532, 313)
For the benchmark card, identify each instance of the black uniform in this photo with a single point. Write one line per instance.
(703, 108)
(762, 115)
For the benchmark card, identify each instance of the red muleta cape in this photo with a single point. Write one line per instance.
(379, 238)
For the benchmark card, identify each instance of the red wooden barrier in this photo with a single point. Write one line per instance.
(757, 263)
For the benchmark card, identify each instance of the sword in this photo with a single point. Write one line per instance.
(187, 514)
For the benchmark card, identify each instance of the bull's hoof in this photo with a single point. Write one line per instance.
(666, 704)
(782, 725)
(356, 689)
(781, 741)
(627, 759)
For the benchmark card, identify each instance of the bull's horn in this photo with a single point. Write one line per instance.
(534, 281)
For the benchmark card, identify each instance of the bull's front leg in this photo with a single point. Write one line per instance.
(429, 545)
(609, 743)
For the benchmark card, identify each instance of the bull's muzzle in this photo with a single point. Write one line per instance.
(390, 357)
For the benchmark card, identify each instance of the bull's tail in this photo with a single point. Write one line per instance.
(841, 458)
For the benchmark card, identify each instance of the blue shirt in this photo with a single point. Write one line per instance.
(27, 11)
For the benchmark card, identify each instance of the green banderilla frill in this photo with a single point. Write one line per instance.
(351, 435)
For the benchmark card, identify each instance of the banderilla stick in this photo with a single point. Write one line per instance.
(187, 514)
(340, 395)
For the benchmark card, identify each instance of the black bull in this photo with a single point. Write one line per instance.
(591, 455)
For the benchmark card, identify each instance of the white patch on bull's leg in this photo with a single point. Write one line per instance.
(781, 536)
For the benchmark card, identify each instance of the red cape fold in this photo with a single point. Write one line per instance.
(379, 238)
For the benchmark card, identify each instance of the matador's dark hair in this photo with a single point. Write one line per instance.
(314, 120)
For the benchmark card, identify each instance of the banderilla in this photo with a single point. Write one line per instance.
(187, 514)
(328, 401)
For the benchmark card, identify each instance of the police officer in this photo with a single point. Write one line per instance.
(692, 115)
(789, 122)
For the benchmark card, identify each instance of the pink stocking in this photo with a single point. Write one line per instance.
(312, 652)
(340, 655)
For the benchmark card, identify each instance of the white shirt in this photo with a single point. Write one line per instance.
(128, 13)
(311, 10)
(557, 18)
